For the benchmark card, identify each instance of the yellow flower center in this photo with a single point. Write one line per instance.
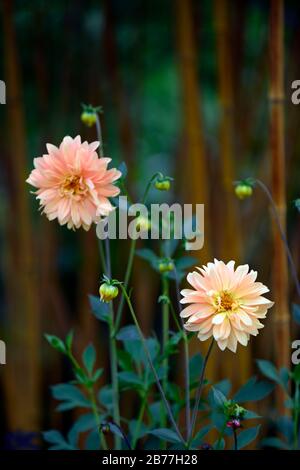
(225, 302)
(73, 186)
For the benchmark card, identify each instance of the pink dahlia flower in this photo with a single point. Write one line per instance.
(73, 183)
(225, 303)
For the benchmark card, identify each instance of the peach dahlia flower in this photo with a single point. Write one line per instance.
(73, 183)
(225, 303)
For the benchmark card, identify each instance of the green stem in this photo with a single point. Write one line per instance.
(148, 187)
(186, 362)
(126, 282)
(235, 439)
(139, 421)
(199, 390)
(97, 418)
(293, 268)
(102, 256)
(147, 353)
(296, 417)
(165, 339)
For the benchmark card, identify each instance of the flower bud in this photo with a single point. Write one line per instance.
(89, 118)
(163, 184)
(142, 224)
(233, 423)
(243, 190)
(108, 292)
(165, 265)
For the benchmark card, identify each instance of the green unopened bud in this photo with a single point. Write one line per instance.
(88, 118)
(108, 292)
(163, 184)
(165, 265)
(243, 190)
(142, 224)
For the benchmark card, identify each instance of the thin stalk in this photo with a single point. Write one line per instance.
(186, 361)
(199, 390)
(165, 331)
(296, 418)
(146, 350)
(112, 338)
(99, 135)
(235, 439)
(97, 418)
(126, 282)
(139, 422)
(130, 260)
(282, 234)
(102, 256)
(91, 393)
(148, 187)
(141, 413)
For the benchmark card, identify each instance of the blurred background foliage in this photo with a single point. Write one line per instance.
(174, 79)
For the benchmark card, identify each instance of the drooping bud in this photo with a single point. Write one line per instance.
(166, 265)
(243, 191)
(108, 291)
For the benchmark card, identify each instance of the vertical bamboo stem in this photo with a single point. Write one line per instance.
(195, 164)
(230, 223)
(22, 372)
(280, 271)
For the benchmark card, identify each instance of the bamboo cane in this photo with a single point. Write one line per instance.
(280, 273)
(231, 235)
(22, 372)
(194, 174)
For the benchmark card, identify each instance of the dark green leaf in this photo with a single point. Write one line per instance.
(219, 397)
(123, 169)
(245, 437)
(269, 370)
(253, 390)
(128, 333)
(148, 255)
(71, 394)
(56, 343)
(165, 434)
(89, 358)
(99, 309)
(105, 396)
(274, 442)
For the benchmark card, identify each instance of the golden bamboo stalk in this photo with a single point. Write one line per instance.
(239, 365)
(280, 270)
(22, 372)
(194, 168)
